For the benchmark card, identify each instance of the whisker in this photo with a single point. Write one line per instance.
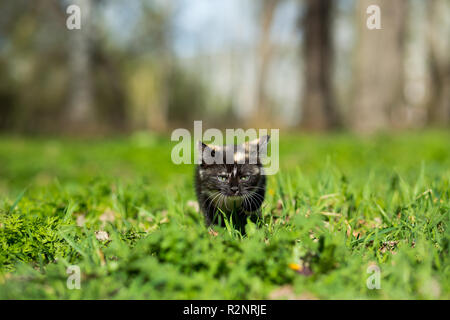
(259, 196)
(213, 199)
(252, 201)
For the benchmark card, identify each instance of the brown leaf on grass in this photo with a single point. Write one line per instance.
(108, 216)
(356, 234)
(164, 220)
(389, 246)
(287, 292)
(326, 196)
(279, 204)
(287, 218)
(213, 233)
(313, 236)
(101, 235)
(350, 231)
(280, 220)
(377, 223)
(164, 215)
(427, 193)
(278, 208)
(308, 213)
(330, 214)
(81, 219)
(329, 200)
(193, 204)
(147, 228)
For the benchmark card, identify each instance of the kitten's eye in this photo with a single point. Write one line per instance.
(222, 178)
(245, 178)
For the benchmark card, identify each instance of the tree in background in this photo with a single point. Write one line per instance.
(126, 69)
(79, 113)
(158, 24)
(319, 112)
(378, 66)
(264, 52)
(438, 110)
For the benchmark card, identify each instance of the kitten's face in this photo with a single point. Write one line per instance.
(234, 180)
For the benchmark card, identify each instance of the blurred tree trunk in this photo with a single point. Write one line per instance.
(7, 98)
(262, 112)
(158, 111)
(157, 114)
(79, 113)
(439, 66)
(319, 111)
(109, 89)
(379, 65)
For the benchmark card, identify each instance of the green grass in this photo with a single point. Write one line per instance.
(339, 204)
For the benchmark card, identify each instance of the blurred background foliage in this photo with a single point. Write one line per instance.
(155, 65)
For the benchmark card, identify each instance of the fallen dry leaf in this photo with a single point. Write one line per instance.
(164, 220)
(278, 208)
(101, 235)
(326, 196)
(308, 213)
(213, 233)
(330, 214)
(193, 204)
(376, 223)
(81, 219)
(389, 245)
(279, 204)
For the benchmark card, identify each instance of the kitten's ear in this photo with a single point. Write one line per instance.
(263, 141)
(258, 148)
(203, 150)
(260, 142)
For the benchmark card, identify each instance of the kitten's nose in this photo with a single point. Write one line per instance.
(234, 189)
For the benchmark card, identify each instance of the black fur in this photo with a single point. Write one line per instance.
(236, 190)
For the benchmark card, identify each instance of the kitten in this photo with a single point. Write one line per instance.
(236, 187)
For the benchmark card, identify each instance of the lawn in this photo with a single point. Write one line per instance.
(340, 209)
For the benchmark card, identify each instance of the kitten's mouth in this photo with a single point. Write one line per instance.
(231, 202)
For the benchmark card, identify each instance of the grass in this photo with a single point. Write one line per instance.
(121, 211)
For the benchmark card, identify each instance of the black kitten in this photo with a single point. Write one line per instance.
(235, 187)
